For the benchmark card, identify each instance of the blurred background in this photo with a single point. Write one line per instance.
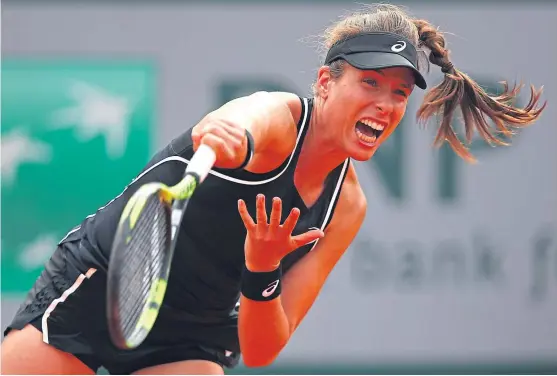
(455, 270)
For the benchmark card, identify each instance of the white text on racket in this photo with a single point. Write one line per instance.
(175, 218)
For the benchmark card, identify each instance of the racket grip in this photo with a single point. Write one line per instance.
(202, 162)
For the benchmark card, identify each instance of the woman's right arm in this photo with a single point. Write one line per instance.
(271, 119)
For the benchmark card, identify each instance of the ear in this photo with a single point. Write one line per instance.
(324, 80)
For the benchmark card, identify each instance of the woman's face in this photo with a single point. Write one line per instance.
(362, 108)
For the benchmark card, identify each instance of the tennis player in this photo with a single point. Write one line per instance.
(269, 223)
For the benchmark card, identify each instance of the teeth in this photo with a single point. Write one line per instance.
(365, 138)
(372, 124)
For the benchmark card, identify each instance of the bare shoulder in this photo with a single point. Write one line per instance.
(271, 118)
(280, 113)
(286, 105)
(292, 101)
(352, 205)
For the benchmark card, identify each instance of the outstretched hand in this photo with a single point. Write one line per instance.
(267, 241)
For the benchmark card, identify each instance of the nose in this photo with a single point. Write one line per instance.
(384, 105)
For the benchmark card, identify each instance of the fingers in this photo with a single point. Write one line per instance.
(260, 211)
(195, 136)
(229, 132)
(246, 217)
(226, 139)
(305, 238)
(218, 145)
(276, 213)
(275, 218)
(225, 132)
(236, 132)
(291, 220)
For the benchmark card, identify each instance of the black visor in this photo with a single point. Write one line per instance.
(368, 51)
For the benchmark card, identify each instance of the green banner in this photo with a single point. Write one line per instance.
(74, 133)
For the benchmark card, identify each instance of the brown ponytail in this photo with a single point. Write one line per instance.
(457, 89)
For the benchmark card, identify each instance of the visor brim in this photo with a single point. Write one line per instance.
(378, 60)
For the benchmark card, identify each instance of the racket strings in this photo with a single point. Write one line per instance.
(144, 259)
(138, 285)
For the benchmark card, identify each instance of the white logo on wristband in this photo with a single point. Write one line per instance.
(270, 289)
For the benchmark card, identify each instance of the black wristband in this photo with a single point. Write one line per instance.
(249, 154)
(261, 286)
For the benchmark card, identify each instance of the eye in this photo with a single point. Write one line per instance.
(371, 82)
(401, 93)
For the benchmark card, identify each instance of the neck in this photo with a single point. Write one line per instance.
(318, 156)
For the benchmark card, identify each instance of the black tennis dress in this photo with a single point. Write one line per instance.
(198, 319)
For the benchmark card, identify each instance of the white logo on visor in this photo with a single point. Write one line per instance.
(399, 46)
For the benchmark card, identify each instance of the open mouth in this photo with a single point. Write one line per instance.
(368, 131)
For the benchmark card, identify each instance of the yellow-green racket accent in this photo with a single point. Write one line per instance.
(184, 189)
(181, 191)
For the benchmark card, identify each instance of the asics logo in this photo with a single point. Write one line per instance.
(270, 289)
(399, 46)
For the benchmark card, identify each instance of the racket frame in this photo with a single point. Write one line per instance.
(177, 198)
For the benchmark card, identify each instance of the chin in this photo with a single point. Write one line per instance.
(362, 155)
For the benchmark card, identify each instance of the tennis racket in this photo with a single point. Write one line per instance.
(142, 252)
